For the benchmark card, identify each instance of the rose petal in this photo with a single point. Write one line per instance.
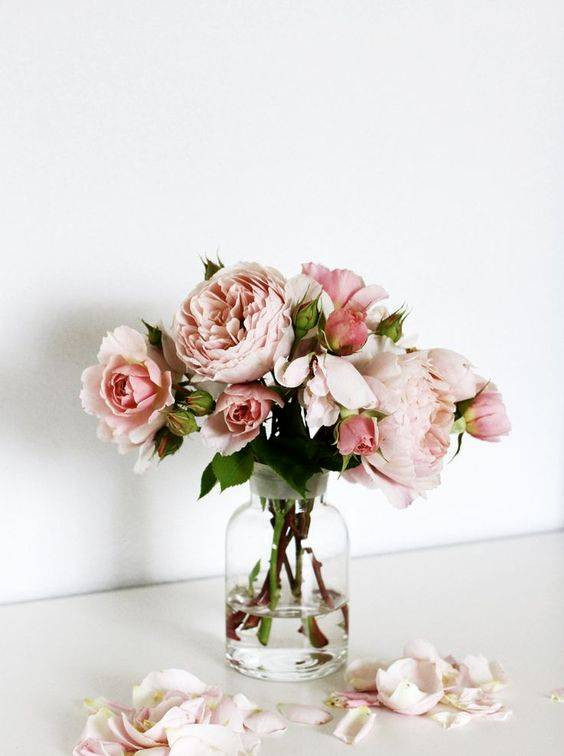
(355, 725)
(421, 649)
(361, 673)
(352, 699)
(265, 723)
(451, 719)
(304, 714)
(150, 690)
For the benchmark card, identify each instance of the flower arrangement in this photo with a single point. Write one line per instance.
(302, 375)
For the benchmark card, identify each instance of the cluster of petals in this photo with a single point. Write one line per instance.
(174, 713)
(421, 682)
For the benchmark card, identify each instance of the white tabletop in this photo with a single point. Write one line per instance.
(502, 598)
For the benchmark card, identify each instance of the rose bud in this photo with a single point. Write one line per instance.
(358, 434)
(305, 318)
(166, 442)
(486, 417)
(198, 402)
(181, 422)
(392, 326)
(345, 330)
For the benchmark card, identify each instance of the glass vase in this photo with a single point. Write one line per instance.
(286, 582)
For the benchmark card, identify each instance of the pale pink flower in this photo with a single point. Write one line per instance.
(358, 434)
(239, 414)
(233, 327)
(346, 330)
(415, 436)
(329, 383)
(410, 686)
(486, 417)
(456, 371)
(345, 287)
(129, 390)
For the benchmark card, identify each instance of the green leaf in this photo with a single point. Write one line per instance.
(233, 469)
(153, 334)
(458, 447)
(208, 481)
(288, 458)
(253, 575)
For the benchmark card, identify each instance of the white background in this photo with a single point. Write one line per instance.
(419, 143)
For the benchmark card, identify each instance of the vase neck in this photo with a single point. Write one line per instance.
(266, 484)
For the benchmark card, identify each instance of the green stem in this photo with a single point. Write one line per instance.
(274, 589)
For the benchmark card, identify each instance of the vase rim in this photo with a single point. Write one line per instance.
(266, 482)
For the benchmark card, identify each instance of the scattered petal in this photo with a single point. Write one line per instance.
(473, 700)
(265, 723)
(421, 649)
(304, 714)
(150, 691)
(557, 695)
(355, 725)
(361, 674)
(451, 719)
(352, 699)
(478, 672)
(410, 686)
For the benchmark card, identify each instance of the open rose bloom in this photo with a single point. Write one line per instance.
(252, 357)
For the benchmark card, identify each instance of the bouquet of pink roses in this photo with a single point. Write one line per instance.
(302, 375)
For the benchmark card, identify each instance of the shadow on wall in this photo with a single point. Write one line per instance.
(55, 430)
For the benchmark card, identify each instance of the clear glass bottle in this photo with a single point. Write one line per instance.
(286, 582)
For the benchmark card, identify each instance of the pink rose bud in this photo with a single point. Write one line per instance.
(346, 331)
(358, 434)
(181, 422)
(486, 417)
(306, 318)
(199, 402)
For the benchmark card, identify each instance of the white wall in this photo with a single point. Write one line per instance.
(418, 143)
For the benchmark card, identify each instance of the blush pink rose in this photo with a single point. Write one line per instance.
(327, 383)
(358, 434)
(239, 414)
(486, 417)
(347, 290)
(456, 372)
(128, 390)
(346, 330)
(345, 287)
(233, 327)
(415, 436)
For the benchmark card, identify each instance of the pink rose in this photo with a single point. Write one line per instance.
(346, 330)
(456, 372)
(486, 416)
(344, 287)
(415, 436)
(328, 383)
(239, 413)
(128, 390)
(358, 434)
(233, 327)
